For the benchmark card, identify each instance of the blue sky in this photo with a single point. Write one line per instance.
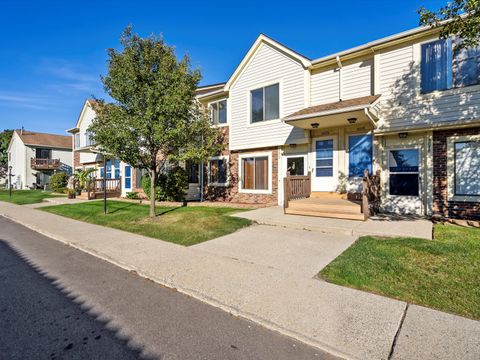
(53, 52)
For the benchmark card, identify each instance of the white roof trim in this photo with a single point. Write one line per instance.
(328, 112)
(80, 117)
(262, 39)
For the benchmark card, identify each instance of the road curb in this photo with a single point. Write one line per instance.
(192, 293)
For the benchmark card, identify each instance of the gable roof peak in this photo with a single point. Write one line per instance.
(264, 39)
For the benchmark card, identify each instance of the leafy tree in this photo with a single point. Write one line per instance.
(5, 137)
(458, 17)
(155, 115)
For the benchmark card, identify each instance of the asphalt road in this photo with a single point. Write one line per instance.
(57, 302)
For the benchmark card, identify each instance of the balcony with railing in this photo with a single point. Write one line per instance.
(44, 164)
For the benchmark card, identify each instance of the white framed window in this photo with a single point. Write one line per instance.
(442, 67)
(89, 138)
(463, 168)
(404, 172)
(296, 165)
(265, 103)
(255, 173)
(77, 140)
(218, 112)
(218, 171)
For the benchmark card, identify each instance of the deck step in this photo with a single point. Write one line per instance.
(324, 208)
(327, 195)
(329, 214)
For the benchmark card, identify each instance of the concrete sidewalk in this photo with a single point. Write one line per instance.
(343, 321)
(381, 225)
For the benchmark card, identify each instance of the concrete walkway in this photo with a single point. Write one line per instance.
(55, 201)
(298, 252)
(381, 225)
(343, 321)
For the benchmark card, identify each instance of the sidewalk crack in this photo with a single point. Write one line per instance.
(397, 334)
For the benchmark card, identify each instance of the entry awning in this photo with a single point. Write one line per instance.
(360, 110)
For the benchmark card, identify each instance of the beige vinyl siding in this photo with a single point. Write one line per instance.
(403, 106)
(324, 86)
(357, 79)
(267, 66)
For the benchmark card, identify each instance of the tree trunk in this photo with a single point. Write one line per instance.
(153, 181)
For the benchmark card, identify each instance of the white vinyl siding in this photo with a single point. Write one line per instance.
(85, 122)
(267, 67)
(357, 79)
(324, 86)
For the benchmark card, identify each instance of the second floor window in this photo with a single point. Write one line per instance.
(77, 140)
(218, 111)
(88, 139)
(265, 103)
(443, 68)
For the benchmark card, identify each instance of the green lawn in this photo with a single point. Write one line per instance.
(182, 225)
(22, 197)
(443, 274)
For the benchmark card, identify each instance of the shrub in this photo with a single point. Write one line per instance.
(170, 187)
(58, 182)
(132, 195)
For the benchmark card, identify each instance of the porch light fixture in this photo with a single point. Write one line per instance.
(352, 120)
(403, 135)
(314, 125)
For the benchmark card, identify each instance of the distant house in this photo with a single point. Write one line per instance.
(35, 156)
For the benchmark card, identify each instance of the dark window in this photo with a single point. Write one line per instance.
(403, 172)
(296, 165)
(265, 103)
(41, 153)
(217, 171)
(255, 173)
(192, 172)
(359, 155)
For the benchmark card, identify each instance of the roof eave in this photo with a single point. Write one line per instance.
(327, 113)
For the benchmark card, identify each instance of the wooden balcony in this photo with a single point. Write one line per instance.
(44, 164)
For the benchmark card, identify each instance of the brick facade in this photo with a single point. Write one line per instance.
(231, 192)
(441, 205)
(76, 159)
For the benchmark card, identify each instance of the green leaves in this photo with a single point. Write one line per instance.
(458, 17)
(155, 114)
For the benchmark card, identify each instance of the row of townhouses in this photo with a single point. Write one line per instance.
(407, 106)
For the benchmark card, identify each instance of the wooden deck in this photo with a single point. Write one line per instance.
(330, 205)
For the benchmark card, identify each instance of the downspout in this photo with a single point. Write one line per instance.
(369, 116)
(339, 63)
